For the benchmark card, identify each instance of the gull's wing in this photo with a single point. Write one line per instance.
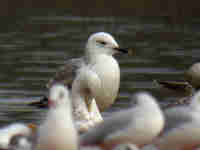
(88, 80)
(111, 125)
(67, 73)
(177, 116)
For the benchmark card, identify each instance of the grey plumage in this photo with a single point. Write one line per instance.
(138, 125)
(177, 116)
(127, 146)
(21, 142)
(67, 73)
(116, 122)
(182, 127)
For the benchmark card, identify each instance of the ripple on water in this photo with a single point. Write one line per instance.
(33, 50)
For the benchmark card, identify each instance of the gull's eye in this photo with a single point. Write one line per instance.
(102, 42)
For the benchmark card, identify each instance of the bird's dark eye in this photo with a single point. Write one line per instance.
(102, 42)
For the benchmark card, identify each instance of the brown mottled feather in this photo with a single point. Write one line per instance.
(67, 73)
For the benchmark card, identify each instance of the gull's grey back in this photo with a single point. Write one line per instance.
(117, 122)
(67, 73)
(128, 120)
(177, 116)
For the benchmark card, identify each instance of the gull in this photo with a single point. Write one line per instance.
(57, 132)
(138, 125)
(99, 51)
(191, 81)
(181, 131)
(184, 89)
(22, 142)
(8, 132)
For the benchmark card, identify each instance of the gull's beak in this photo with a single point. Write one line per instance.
(129, 51)
(121, 50)
(41, 103)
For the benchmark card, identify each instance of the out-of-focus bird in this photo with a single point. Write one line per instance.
(138, 125)
(8, 133)
(181, 131)
(58, 132)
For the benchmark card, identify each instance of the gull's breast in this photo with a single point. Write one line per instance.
(108, 71)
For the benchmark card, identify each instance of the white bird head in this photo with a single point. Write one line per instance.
(14, 129)
(58, 95)
(144, 99)
(58, 131)
(21, 142)
(103, 43)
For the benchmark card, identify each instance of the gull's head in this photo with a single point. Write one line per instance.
(21, 142)
(192, 75)
(144, 99)
(103, 43)
(13, 130)
(58, 95)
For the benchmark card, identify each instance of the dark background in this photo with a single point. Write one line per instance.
(174, 10)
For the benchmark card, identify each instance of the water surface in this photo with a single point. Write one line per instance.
(34, 47)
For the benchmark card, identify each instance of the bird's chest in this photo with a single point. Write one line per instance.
(108, 71)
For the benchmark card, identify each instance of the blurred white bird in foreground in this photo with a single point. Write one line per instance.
(182, 128)
(126, 147)
(57, 132)
(22, 142)
(138, 125)
(7, 133)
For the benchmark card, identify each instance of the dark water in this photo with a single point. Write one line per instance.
(32, 48)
